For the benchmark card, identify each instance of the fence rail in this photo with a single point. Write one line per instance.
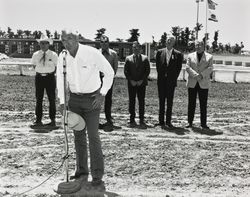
(221, 73)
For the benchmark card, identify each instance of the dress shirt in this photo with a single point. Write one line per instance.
(168, 54)
(83, 72)
(47, 66)
(112, 57)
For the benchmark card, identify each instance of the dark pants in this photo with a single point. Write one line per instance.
(83, 105)
(47, 83)
(138, 91)
(108, 105)
(167, 93)
(203, 95)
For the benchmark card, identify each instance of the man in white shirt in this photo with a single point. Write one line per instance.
(45, 62)
(87, 93)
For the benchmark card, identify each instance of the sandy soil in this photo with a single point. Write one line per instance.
(152, 162)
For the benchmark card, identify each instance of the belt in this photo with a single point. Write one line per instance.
(84, 94)
(44, 74)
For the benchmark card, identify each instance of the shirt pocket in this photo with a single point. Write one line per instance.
(50, 63)
(83, 64)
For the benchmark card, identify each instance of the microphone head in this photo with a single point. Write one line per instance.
(64, 52)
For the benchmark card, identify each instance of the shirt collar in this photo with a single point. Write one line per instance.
(105, 51)
(169, 51)
(46, 52)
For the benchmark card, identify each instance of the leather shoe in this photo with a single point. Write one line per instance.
(204, 127)
(170, 126)
(81, 178)
(142, 125)
(51, 124)
(189, 126)
(132, 124)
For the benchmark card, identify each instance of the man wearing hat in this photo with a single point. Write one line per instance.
(45, 62)
(111, 56)
(86, 95)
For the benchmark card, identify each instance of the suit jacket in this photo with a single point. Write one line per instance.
(204, 67)
(168, 73)
(137, 71)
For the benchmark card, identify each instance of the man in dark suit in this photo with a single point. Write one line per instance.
(168, 65)
(136, 70)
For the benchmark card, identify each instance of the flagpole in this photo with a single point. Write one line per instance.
(206, 36)
(197, 19)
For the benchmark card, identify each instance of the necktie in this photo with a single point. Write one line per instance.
(105, 52)
(136, 60)
(168, 56)
(43, 58)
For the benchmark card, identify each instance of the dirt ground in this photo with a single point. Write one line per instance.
(152, 162)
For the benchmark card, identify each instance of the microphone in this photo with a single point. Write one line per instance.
(64, 52)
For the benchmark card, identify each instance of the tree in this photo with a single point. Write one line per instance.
(134, 35)
(99, 33)
(48, 33)
(236, 49)
(56, 35)
(10, 33)
(154, 44)
(187, 35)
(37, 34)
(197, 28)
(2, 33)
(163, 40)
(215, 42)
(228, 48)
(221, 48)
(19, 33)
(176, 33)
(27, 33)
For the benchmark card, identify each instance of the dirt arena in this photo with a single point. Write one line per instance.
(152, 162)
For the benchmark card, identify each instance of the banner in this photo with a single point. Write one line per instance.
(211, 4)
(212, 16)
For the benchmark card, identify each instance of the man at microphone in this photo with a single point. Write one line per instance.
(86, 95)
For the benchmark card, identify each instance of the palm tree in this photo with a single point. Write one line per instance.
(10, 33)
(163, 40)
(48, 33)
(19, 33)
(27, 33)
(134, 35)
(99, 33)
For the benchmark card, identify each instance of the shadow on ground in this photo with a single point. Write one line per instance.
(210, 132)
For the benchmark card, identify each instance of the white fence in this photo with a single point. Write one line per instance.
(221, 73)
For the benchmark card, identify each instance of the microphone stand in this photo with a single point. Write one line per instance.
(65, 116)
(66, 187)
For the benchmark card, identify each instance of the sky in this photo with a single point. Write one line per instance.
(151, 17)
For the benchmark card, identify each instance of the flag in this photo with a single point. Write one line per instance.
(211, 4)
(212, 16)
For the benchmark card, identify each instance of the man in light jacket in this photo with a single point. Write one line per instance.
(199, 68)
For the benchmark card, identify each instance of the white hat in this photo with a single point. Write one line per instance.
(75, 121)
(44, 38)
